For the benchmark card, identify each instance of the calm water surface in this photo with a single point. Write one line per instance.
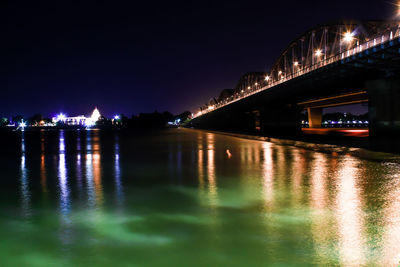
(190, 198)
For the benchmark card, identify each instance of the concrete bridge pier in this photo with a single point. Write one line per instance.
(384, 113)
(314, 117)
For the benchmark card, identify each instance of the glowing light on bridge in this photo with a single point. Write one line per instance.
(296, 64)
(318, 52)
(348, 37)
(267, 78)
(398, 8)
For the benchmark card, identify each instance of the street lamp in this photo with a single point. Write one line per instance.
(348, 37)
(318, 52)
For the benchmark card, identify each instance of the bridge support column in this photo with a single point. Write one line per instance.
(384, 113)
(314, 117)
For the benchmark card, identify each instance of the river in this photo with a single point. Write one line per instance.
(183, 197)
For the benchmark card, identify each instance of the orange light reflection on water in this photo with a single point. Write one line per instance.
(212, 186)
(43, 177)
(97, 178)
(268, 176)
(318, 182)
(391, 245)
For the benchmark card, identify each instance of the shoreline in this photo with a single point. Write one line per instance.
(335, 147)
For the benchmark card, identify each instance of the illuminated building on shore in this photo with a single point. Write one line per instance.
(78, 120)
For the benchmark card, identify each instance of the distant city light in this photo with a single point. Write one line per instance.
(89, 123)
(78, 120)
(22, 124)
(348, 37)
(95, 115)
(61, 117)
(116, 117)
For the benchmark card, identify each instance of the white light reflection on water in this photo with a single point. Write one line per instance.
(25, 193)
(89, 181)
(79, 165)
(117, 174)
(79, 175)
(78, 141)
(62, 178)
(321, 229)
(89, 171)
(349, 213)
(65, 205)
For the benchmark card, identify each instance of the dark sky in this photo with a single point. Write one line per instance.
(130, 58)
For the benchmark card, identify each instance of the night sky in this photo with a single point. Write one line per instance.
(131, 58)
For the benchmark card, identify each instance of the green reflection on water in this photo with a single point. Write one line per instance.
(192, 198)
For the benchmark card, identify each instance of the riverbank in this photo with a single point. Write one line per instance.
(355, 146)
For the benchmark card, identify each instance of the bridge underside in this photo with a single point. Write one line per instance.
(373, 76)
(314, 107)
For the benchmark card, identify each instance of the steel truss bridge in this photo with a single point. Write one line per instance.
(330, 65)
(348, 43)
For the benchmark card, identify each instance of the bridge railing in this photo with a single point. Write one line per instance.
(378, 40)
